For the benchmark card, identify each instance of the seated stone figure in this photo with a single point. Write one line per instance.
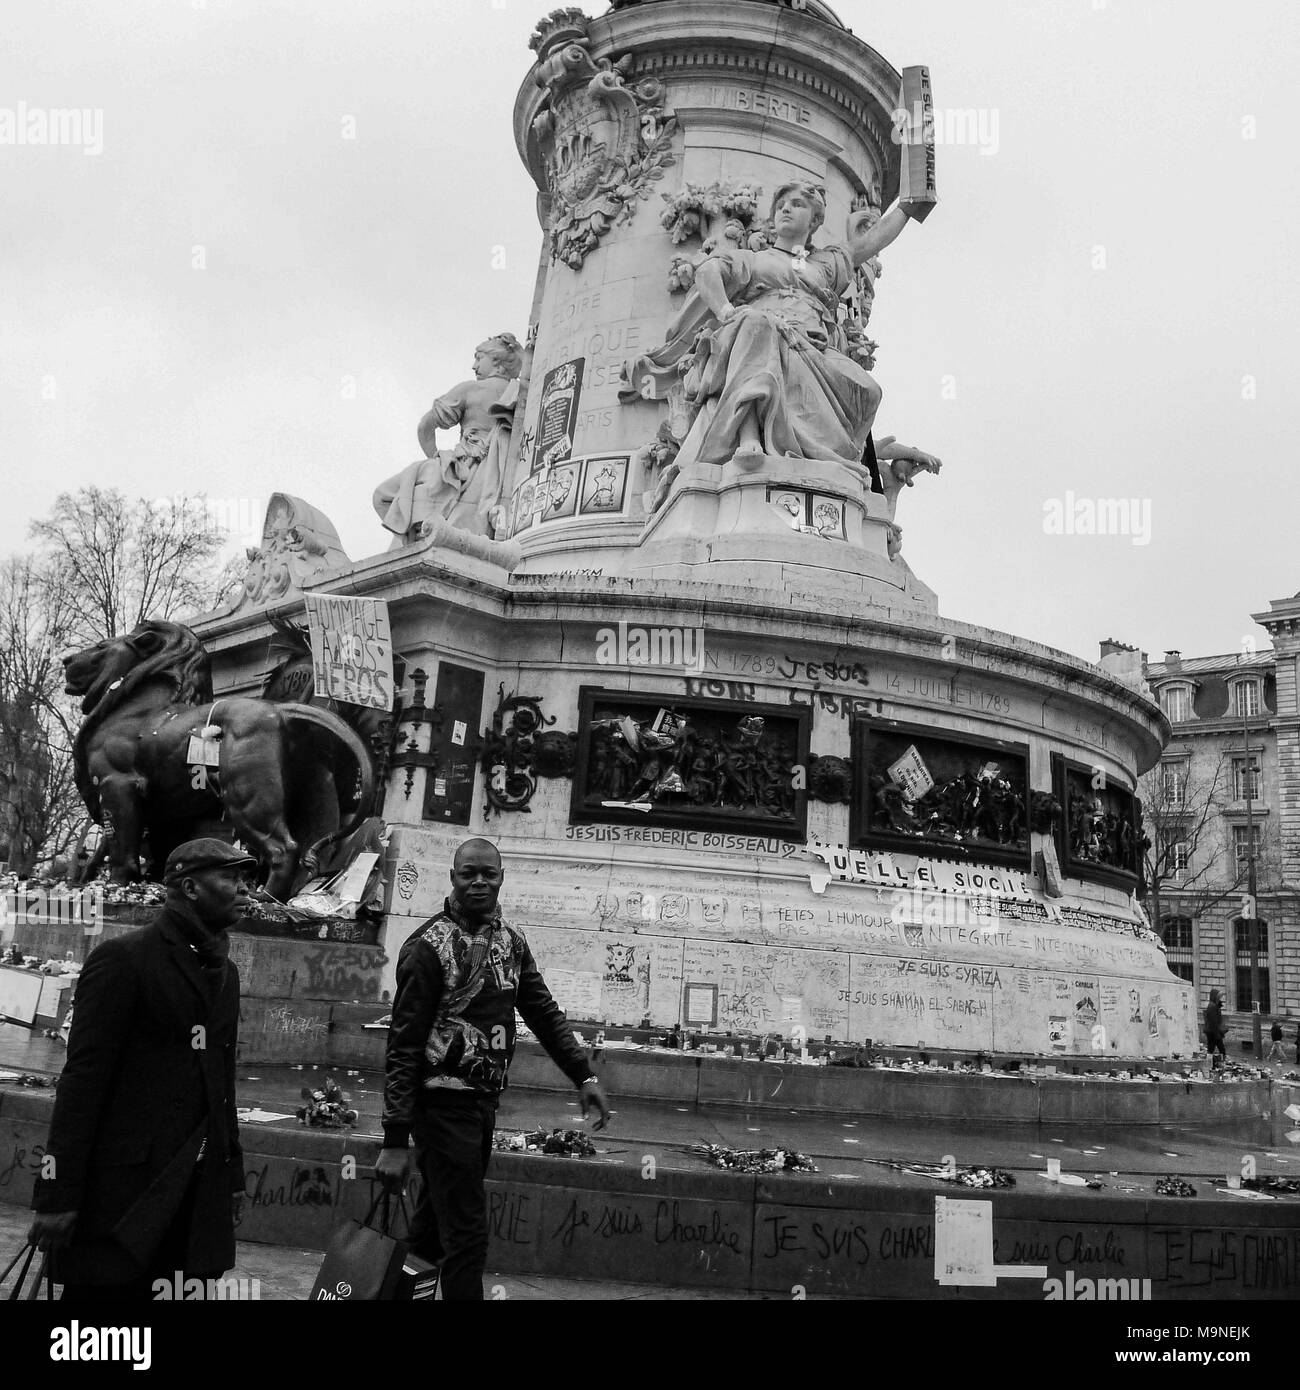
(759, 348)
(461, 486)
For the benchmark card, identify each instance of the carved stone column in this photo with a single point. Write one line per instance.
(619, 115)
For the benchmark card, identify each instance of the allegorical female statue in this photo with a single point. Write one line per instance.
(758, 347)
(460, 485)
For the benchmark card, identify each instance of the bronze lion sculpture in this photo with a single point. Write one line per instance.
(286, 776)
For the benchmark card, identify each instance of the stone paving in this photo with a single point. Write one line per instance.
(285, 1274)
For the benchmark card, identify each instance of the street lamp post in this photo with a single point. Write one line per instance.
(1255, 1021)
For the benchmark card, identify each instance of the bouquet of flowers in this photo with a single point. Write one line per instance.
(566, 1143)
(327, 1107)
(755, 1160)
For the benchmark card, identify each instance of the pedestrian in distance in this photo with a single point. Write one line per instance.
(461, 978)
(1275, 1053)
(143, 1173)
(1215, 1032)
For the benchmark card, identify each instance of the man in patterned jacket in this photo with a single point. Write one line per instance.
(460, 979)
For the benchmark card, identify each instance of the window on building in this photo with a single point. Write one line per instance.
(1241, 942)
(1174, 856)
(1245, 699)
(1174, 783)
(1241, 780)
(1177, 703)
(1239, 843)
(1176, 932)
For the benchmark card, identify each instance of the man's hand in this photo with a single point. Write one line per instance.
(592, 1094)
(392, 1169)
(51, 1230)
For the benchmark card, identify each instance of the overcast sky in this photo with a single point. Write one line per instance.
(1105, 290)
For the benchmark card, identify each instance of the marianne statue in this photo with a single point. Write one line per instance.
(761, 355)
(463, 485)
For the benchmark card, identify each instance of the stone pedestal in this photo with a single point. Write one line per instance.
(769, 523)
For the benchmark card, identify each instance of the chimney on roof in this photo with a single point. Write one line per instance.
(1173, 658)
(1123, 663)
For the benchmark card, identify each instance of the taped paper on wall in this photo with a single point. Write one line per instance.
(963, 1242)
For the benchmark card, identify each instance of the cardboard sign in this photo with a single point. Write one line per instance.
(914, 130)
(351, 649)
(911, 773)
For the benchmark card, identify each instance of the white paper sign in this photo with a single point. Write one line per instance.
(351, 649)
(458, 731)
(203, 752)
(911, 773)
(963, 1242)
(699, 1004)
(576, 991)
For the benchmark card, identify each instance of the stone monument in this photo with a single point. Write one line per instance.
(661, 641)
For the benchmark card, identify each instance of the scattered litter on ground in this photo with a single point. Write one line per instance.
(1271, 1183)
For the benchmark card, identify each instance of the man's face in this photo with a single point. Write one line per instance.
(218, 895)
(476, 881)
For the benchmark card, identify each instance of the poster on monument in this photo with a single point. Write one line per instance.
(351, 649)
(557, 416)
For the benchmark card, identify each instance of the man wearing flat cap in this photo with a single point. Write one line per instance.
(143, 1171)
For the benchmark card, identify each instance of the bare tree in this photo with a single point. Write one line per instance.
(1185, 854)
(123, 561)
(38, 804)
(104, 564)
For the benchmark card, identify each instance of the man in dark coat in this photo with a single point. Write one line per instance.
(146, 1170)
(1214, 1029)
(460, 979)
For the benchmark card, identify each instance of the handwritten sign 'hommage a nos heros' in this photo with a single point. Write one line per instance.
(351, 649)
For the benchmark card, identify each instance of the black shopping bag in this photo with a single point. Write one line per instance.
(363, 1262)
(42, 1273)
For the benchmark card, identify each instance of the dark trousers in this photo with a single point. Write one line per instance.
(1215, 1044)
(453, 1143)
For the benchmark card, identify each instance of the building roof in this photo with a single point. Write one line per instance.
(1230, 663)
(817, 8)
